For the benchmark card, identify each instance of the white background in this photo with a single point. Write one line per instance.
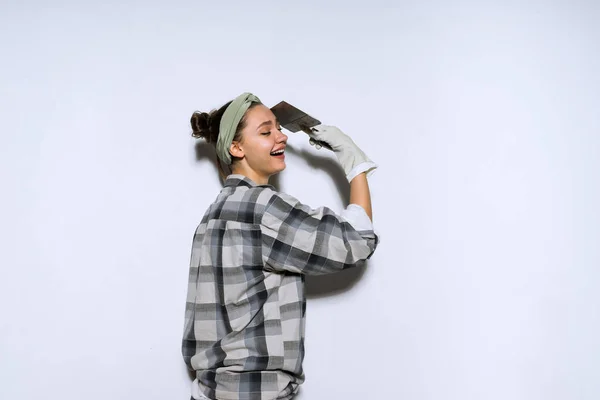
(484, 120)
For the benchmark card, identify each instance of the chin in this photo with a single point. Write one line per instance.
(279, 168)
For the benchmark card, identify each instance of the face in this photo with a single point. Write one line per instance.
(261, 149)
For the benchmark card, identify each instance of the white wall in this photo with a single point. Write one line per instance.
(483, 118)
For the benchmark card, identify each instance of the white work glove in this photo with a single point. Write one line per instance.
(352, 159)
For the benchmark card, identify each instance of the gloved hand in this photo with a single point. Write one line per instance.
(352, 159)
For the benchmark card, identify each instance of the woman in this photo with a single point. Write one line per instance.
(244, 319)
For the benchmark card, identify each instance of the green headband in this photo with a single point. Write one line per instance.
(229, 123)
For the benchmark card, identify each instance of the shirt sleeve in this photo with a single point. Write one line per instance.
(357, 217)
(299, 239)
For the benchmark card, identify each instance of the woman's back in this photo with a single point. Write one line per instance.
(244, 329)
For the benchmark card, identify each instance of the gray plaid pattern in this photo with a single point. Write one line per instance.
(244, 316)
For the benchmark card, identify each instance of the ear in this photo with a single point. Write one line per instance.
(236, 150)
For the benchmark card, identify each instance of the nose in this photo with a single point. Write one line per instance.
(281, 137)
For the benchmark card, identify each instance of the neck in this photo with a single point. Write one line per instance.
(250, 174)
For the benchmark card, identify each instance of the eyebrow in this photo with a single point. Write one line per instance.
(268, 123)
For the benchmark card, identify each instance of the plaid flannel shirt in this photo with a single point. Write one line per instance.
(245, 308)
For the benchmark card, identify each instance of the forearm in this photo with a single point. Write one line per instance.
(360, 193)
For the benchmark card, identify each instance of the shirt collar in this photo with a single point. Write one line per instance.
(234, 180)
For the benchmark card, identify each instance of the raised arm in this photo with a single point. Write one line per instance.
(300, 239)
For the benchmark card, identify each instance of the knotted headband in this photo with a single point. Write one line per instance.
(229, 122)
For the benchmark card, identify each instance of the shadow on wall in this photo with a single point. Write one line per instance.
(316, 286)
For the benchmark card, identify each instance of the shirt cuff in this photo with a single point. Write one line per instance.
(357, 217)
(367, 166)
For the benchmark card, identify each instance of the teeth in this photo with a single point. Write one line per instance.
(277, 152)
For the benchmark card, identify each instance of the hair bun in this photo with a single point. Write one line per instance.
(200, 122)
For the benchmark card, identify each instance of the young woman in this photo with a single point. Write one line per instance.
(244, 318)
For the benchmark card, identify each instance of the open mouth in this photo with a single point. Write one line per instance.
(278, 153)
